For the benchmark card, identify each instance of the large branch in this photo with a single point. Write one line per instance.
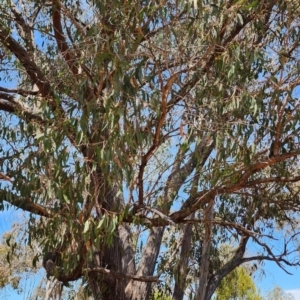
(21, 92)
(183, 263)
(195, 202)
(60, 38)
(25, 29)
(234, 262)
(23, 203)
(17, 107)
(175, 180)
(141, 290)
(36, 75)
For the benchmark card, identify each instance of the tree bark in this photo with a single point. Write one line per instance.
(182, 269)
(117, 257)
(141, 290)
(105, 286)
(204, 266)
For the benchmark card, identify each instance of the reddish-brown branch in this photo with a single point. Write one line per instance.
(204, 197)
(60, 38)
(157, 135)
(272, 179)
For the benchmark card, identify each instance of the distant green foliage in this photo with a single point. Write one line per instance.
(238, 285)
(160, 296)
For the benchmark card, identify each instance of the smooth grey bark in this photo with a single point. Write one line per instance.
(180, 277)
(105, 286)
(204, 265)
(141, 290)
(128, 255)
(182, 269)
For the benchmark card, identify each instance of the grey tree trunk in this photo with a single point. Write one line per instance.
(204, 266)
(182, 269)
(141, 290)
(118, 257)
(104, 286)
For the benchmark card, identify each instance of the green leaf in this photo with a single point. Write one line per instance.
(86, 226)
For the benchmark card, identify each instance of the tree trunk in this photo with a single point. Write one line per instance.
(204, 266)
(105, 286)
(118, 257)
(182, 269)
(141, 290)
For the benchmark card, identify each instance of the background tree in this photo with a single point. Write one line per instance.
(24, 276)
(237, 285)
(16, 265)
(278, 294)
(167, 124)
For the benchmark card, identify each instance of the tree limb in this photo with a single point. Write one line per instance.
(24, 203)
(60, 39)
(195, 202)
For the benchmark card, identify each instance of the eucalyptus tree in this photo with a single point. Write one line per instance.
(140, 135)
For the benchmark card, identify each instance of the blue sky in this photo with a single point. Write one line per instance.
(275, 276)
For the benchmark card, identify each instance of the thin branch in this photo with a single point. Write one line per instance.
(271, 180)
(161, 215)
(228, 224)
(278, 259)
(5, 177)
